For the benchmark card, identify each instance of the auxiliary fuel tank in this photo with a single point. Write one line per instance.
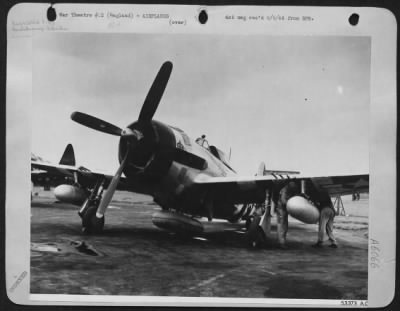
(300, 208)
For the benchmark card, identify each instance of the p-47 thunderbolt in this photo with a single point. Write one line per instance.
(186, 178)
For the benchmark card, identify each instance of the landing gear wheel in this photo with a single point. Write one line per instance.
(248, 222)
(255, 234)
(91, 224)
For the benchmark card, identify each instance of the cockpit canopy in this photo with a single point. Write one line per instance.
(219, 154)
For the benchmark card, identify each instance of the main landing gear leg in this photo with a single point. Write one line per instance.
(90, 222)
(260, 228)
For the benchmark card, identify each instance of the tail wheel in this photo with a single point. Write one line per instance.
(256, 236)
(91, 224)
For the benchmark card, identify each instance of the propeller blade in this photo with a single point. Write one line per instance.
(111, 189)
(155, 93)
(96, 124)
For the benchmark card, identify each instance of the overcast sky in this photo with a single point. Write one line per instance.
(297, 103)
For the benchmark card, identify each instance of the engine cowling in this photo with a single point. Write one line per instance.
(70, 194)
(300, 208)
(152, 155)
(178, 223)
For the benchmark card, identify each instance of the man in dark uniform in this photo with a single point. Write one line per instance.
(282, 192)
(201, 140)
(327, 215)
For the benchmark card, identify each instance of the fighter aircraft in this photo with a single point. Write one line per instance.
(65, 177)
(40, 177)
(185, 179)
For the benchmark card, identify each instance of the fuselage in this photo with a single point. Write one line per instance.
(153, 169)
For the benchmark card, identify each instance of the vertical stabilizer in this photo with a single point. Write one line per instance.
(68, 157)
(261, 169)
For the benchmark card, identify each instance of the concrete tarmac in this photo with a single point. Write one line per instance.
(133, 257)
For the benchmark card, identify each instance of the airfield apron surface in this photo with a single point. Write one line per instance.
(133, 257)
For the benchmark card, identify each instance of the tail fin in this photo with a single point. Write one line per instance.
(68, 157)
(261, 169)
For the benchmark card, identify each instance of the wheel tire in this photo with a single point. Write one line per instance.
(256, 237)
(248, 222)
(91, 224)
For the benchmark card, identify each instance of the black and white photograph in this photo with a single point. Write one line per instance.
(206, 140)
(200, 165)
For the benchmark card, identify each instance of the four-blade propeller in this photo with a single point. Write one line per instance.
(146, 114)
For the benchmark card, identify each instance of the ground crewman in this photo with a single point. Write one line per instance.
(327, 215)
(282, 192)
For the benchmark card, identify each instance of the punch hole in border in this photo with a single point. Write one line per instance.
(203, 17)
(51, 13)
(353, 19)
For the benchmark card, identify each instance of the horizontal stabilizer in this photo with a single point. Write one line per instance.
(277, 173)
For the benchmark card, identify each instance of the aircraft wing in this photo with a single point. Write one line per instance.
(43, 174)
(235, 189)
(242, 189)
(343, 185)
(85, 177)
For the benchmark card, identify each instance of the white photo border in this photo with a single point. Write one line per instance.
(27, 19)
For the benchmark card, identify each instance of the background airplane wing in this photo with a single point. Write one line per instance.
(86, 177)
(247, 189)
